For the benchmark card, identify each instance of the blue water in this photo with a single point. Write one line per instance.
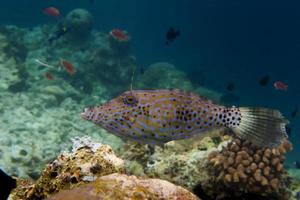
(228, 41)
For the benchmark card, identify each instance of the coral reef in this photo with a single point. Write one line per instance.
(242, 167)
(85, 163)
(176, 160)
(11, 55)
(123, 187)
(48, 110)
(219, 166)
(92, 171)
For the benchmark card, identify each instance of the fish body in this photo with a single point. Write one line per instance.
(49, 76)
(171, 35)
(159, 116)
(230, 87)
(51, 11)
(279, 85)
(68, 67)
(57, 34)
(264, 80)
(119, 35)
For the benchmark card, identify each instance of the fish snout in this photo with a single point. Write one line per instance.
(87, 113)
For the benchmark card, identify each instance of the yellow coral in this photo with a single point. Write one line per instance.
(250, 168)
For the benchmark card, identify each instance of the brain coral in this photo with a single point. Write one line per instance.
(242, 167)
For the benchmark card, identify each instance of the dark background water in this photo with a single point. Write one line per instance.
(221, 41)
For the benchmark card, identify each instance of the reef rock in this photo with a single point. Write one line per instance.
(124, 187)
(85, 163)
(180, 162)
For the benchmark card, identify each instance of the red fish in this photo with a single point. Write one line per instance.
(279, 85)
(49, 76)
(119, 35)
(51, 11)
(68, 67)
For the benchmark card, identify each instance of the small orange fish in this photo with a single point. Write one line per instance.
(49, 76)
(68, 67)
(51, 11)
(279, 85)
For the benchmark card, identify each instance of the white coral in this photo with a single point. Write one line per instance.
(84, 142)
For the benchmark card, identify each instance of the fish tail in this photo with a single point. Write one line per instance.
(261, 126)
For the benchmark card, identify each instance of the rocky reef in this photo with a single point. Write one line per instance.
(92, 171)
(216, 167)
(121, 186)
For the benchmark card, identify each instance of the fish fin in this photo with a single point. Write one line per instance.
(262, 126)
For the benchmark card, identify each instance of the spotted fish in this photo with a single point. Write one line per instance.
(159, 116)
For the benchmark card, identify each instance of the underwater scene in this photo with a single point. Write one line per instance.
(146, 100)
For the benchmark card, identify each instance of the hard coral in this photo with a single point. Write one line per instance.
(175, 161)
(71, 169)
(123, 187)
(79, 22)
(245, 168)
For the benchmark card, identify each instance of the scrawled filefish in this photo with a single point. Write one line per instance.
(159, 116)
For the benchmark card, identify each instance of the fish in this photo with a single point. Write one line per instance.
(230, 86)
(119, 35)
(171, 35)
(264, 80)
(159, 116)
(49, 76)
(68, 67)
(51, 11)
(279, 85)
(57, 34)
(7, 184)
(294, 112)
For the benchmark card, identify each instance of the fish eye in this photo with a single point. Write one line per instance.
(130, 100)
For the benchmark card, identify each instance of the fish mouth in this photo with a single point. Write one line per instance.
(84, 114)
